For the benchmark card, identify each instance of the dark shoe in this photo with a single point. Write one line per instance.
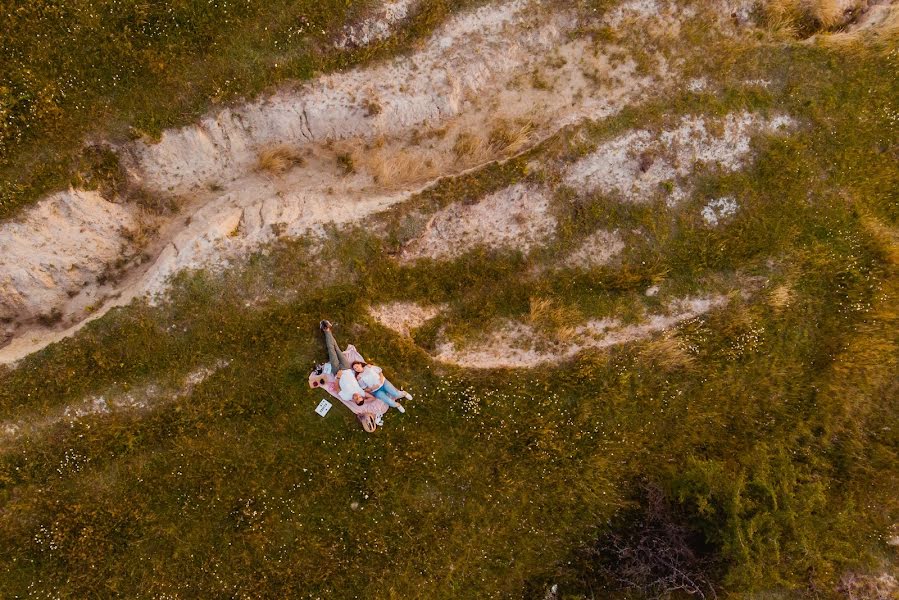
(325, 325)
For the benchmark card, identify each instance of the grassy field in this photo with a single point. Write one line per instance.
(768, 429)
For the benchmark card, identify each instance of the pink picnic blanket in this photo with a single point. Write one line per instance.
(328, 382)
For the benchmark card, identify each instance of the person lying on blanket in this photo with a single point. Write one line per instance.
(373, 381)
(350, 390)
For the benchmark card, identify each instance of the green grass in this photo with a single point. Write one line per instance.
(777, 441)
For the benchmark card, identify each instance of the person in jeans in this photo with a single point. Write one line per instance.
(350, 390)
(372, 379)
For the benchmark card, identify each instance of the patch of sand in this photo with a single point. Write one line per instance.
(719, 210)
(138, 399)
(403, 317)
(517, 217)
(378, 26)
(637, 164)
(517, 345)
(599, 248)
(60, 246)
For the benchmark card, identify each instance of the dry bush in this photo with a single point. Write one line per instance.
(556, 319)
(509, 137)
(780, 297)
(392, 168)
(372, 106)
(469, 147)
(142, 231)
(279, 159)
(857, 586)
(345, 163)
(655, 552)
(668, 353)
(803, 18)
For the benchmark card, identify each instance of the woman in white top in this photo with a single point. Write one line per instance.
(372, 380)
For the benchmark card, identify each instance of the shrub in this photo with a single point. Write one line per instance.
(652, 550)
(761, 515)
(804, 18)
(279, 159)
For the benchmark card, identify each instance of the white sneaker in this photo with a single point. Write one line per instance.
(400, 408)
(407, 395)
(379, 420)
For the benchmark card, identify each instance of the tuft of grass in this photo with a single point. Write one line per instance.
(506, 137)
(145, 227)
(803, 18)
(469, 147)
(781, 296)
(397, 167)
(551, 316)
(372, 106)
(669, 353)
(345, 163)
(279, 159)
(509, 137)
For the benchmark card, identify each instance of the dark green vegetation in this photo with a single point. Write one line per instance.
(771, 434)
(110, 71)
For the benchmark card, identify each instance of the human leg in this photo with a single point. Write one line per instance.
(385, 396)
(395, 393)
(335, 356)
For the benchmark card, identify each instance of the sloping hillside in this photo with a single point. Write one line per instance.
(635, 261)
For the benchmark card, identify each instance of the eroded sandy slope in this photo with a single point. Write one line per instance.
(487, 84)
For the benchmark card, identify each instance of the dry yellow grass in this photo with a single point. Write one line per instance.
(887, 238)
(505, 138)
(397, 167)
(667, 353)
(555, 319)
(781, 296)
(469, 147)
(803, 17)
(278, 160)
(509, 137)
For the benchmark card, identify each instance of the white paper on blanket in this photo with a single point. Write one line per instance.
(323, 407)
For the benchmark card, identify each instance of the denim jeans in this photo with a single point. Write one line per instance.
(388, 393)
